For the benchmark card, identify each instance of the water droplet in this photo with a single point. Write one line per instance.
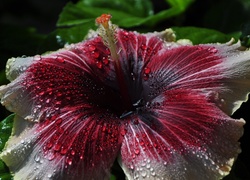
(104, 128)
(213, 50)
(41, 93)
(49, 175)
(99, 64)
(59, 94)
(143, 164)
(57, 147)
(72, 152)
(48, 101)
(143, 46)
(64, 150)
(60, 59)
(95, 54)
(37, 158)
(137, 151)
(144, 173)
(37, 57)
(153, 173)
(132, 76)
(91, 47)
(49, 145)
(50, 156)
(147, 70)
(105, 60)
(69, 161)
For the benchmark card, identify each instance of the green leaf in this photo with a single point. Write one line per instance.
(4, 172)
(139, 8)
(74, 34)
(177, 7)
(121, 10)
(201, 35)
(125, 13)
(5, 132)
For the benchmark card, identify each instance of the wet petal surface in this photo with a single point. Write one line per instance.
(77, 144)
(181, 139)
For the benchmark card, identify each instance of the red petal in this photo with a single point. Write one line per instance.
(191, 67)
(183, 136)
(217, 70)
(61, 79)
(78, 143)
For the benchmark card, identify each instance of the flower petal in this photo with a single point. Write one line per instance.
(218, 70)
(67, 77)
(64, 99)
(180, 136)
(77, 144)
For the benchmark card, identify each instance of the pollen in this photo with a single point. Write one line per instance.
(103, 20)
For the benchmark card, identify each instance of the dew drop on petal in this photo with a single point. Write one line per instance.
(137, 151)
(37, 158)
(105, 60)
(95, 54)
(48, 101)
(64, 150)
(143, 173)
(37, 57)
(41, 93)
(146, 73)
(72, 152)
(91, 47)
(143, 46)
(213, 50)
(57, 147)
(99, 64)
(49, 145)
(49, 175)
(60, 59)
(51, 156)
(69, 160)
(147, 70)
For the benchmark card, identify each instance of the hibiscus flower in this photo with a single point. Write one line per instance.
(161, 108)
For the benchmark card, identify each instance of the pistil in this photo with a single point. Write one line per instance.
(107, 31)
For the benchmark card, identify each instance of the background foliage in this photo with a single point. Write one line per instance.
(46, 25)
